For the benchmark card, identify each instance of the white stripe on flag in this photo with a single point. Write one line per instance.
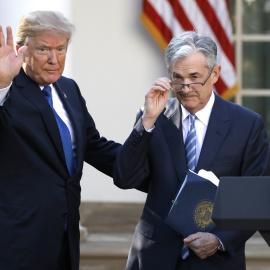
(199, 23)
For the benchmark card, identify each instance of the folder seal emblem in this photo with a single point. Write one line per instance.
(202, 214)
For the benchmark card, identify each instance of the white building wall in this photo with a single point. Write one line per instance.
(11, 12)
(114, 60)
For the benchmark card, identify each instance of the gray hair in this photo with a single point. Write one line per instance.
(184, 44)
(36, 22)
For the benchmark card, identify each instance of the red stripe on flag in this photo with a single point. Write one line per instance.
(181, 15)
(217, 28)
(228, 5)
(220, 86)
(157, 20)
(163, 34)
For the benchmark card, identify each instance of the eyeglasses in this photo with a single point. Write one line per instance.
(178, 87)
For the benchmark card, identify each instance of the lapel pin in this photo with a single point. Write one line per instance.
(65, 96)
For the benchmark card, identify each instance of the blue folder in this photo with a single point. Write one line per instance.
(191, 210)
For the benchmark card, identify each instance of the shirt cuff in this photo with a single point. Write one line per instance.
(221, 247)
(3, 94)
(149, 130)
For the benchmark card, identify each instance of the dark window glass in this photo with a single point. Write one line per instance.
(256, 16)
(256, 65)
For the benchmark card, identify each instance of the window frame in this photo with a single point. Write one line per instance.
(239, 38)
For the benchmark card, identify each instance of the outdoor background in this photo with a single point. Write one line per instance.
(115, 60)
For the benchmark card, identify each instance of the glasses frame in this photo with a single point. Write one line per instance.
(189, 84)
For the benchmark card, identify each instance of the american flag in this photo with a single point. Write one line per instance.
(167, 18)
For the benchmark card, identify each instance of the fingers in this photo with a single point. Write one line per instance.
(203, 244)
(21, 52)
(9, 36)
(192, 238)
(2, 37)
(162, 85)
(10, 62)
(155, 102)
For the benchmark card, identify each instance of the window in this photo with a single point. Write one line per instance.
(251, 28)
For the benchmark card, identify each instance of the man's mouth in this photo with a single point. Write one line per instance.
(51, 71)
(187, 95)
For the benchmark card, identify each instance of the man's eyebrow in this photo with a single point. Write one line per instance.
(194, 73)
(175, 73)
(43, 45)
(190, 74)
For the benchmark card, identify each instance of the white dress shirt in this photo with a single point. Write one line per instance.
(201, 124)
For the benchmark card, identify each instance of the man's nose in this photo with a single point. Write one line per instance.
(186, 88)
(52, 57)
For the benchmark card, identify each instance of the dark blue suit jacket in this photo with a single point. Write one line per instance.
(235, 144)
(37, 195)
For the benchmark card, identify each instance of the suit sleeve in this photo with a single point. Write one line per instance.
(131, 169)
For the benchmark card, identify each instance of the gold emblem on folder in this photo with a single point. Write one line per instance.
(202, 214)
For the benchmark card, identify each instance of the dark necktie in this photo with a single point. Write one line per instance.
(190, 147)
(64, 132)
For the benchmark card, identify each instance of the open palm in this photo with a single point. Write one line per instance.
(10, 62)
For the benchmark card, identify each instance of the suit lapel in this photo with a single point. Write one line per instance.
(31, 91)
(172, 128)
(216, 131)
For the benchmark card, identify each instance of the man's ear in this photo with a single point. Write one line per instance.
(216, 73)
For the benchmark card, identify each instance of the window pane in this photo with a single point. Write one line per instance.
(256, 65)
(260, 105)
(256, 16)
(232, 4)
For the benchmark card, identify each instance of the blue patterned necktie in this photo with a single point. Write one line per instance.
(64, 132)
(190, 144)
(190, 147)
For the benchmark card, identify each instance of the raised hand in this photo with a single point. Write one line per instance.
(155, 101)
(10, 62)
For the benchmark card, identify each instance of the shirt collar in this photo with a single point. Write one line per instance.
(41, 86)
(204, 114)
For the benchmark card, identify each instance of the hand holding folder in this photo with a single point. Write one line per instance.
(192, 208)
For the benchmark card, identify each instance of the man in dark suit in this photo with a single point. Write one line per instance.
(44, 140)
(230, 141)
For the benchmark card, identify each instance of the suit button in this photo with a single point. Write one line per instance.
(64, 215)
(179, 236)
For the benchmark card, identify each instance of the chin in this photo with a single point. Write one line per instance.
(51, 79)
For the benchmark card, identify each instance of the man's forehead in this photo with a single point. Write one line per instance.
(49, 38)
(189, 72)
(45, 43)
(189, 69)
